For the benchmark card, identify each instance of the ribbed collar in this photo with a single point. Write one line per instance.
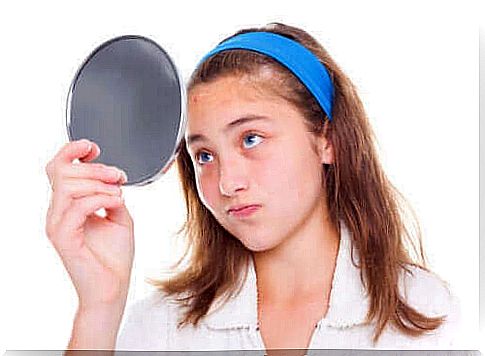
(348, 303)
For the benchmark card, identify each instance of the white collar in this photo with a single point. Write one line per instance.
(348, 303)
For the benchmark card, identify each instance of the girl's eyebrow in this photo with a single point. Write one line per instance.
(191, 139)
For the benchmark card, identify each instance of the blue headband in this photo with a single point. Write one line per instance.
(294, 56)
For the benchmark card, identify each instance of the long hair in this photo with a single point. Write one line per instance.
(384, 230)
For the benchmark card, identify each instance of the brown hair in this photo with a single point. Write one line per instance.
(358, 194)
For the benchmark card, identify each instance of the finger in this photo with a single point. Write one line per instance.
(71, 189)
(98, 171)
(75, 217)
(78, 187)
(79, 149)
(67, 154)
(92, 153)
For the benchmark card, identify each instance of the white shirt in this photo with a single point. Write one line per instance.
(150, 323)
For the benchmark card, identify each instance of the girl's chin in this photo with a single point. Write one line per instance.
(258, 244)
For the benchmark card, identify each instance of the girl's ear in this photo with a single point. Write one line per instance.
(325, 151)
(325, 148)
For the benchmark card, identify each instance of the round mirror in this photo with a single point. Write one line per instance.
(129, 98)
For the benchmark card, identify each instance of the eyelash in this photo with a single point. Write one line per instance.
(197, 154)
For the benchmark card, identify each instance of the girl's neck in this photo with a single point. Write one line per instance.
(300, 268)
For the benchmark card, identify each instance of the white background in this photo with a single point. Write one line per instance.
(414, 63)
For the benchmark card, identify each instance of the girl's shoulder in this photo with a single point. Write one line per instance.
(427, 292)
(145, 319)
(430, 295)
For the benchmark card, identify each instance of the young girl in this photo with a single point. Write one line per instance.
(296, 238)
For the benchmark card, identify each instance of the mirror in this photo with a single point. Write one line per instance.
(129, 98)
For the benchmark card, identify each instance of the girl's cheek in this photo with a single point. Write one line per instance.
(207, 187)
(272, 168)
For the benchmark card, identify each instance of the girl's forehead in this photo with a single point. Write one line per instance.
(224, 96)
(228, 88)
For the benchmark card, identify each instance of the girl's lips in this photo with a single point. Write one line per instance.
(244, 212)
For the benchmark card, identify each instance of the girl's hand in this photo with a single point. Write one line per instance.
(96, 251)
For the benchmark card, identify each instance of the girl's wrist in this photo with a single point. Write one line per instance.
(96, 327)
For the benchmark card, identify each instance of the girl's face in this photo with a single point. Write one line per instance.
(249, 147)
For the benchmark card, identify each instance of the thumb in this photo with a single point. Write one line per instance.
(119, 215)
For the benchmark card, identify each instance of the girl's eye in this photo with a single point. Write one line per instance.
(202, 156)
(250, 139)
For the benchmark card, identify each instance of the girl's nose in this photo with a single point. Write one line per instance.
(232, 177)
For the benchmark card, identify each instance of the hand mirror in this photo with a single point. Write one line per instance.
(128, 97)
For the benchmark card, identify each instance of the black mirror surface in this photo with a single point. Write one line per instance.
(129, 98)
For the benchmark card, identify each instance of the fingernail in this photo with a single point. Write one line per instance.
(124, 177)
(114, 173)
(89, 143)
